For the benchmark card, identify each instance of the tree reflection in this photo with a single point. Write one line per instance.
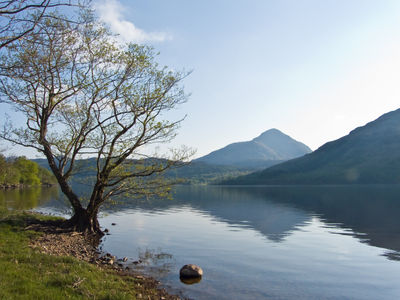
(26, 198)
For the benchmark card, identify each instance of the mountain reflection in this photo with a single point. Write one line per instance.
(238, 208)
(371, 212)
(232, 206)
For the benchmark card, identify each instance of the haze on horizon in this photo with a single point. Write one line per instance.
(313, 69)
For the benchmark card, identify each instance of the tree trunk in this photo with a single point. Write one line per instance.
(84, 221)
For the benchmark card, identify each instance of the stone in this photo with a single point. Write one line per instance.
(190, 271)
(106, 230)
(113, 224)
(111, 262)
(125, 259)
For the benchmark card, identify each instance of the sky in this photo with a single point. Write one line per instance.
(313, 69)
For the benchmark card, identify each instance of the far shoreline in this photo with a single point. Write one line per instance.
(25, 186)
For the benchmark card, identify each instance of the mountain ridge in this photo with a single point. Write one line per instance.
(368, 154)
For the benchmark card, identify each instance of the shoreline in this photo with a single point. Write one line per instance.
(55, 241)
(24, 186)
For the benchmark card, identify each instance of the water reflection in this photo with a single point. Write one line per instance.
(27, 198)
(369, 213)
(273, 220)
(190, 281)
(270, 242)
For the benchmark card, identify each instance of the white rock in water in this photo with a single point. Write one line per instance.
(190, 271)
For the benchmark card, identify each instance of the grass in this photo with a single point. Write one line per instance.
(26, 273)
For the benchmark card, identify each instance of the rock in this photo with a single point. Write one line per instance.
(113, 224)
(111, 262)
(125, 259)
(106, 230)
(190, 271)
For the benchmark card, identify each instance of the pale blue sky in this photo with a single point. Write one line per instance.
(315, 69)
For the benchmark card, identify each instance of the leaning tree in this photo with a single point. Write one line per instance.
(83, 95)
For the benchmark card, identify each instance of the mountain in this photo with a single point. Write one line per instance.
(367, 155)
(270, 148)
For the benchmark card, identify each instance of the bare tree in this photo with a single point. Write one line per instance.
(84, 95)
(20, 17)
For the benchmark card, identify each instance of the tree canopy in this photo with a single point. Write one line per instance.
(20, 17)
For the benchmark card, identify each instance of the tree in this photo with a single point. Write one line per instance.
(9, 174)
(20, 17)
(22, 171)
(46, 177)
(3, 169)
(84, 95)
(28, 171)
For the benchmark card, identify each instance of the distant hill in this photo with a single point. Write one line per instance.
(369, 154)
(270, 148)
(193, 173)
(202, 173)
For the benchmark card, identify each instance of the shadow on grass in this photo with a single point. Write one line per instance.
(27, 220)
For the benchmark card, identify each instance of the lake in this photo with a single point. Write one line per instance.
(293, 242)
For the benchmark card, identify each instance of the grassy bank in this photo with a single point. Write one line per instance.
(27, 273)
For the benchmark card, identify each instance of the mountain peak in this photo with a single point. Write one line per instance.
(271, 145)
(271, 134)
(272, 131)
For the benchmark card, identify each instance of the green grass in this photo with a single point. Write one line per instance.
(26, 273)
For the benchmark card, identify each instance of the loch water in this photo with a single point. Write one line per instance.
(259, 242)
